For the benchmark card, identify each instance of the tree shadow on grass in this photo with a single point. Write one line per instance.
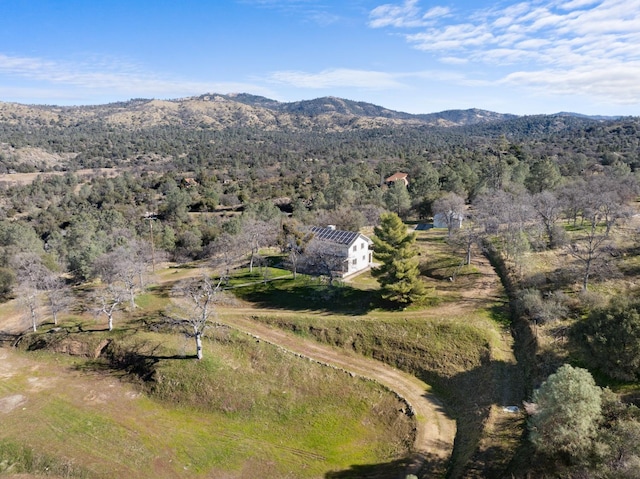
(420, 465)
(138, 360)
(162, 290)
(8, 339)
(440, 268)
(311, 295)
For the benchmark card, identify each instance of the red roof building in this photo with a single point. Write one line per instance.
(397, 177)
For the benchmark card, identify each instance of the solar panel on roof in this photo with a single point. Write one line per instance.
(335, 236)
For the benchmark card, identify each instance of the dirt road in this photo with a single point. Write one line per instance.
(435, 431)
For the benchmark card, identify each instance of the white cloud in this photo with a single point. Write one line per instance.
(370, 80)
(337, 78)
(313, 10)
(557, 46)
(454, 60)
(616, 84)
(573, 4)
(436, 12)
(102, 77)
(399, 16)
(452, 37)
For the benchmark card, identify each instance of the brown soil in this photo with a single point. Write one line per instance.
(435, 431)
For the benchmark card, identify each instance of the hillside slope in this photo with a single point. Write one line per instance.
(242, 110)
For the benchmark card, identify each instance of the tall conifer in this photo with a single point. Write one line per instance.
(398, 274)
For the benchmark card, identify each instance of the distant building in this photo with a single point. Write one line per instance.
(393, 179)
(189, 182)
(440, 220)
(349, 251)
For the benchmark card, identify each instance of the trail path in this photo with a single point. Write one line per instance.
(435, 431)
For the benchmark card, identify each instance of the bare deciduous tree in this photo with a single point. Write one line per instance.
(549, 209)
(194, 305)
(256, 234)
(107, 301)
(126, 265)
(225, 253)
(58, 295)
(451, 209)
(323, 259)
(602, 204)
(466, 237)
(507, 216)
(293, 240)
(28, 299)
(30, 273)
(589, 248)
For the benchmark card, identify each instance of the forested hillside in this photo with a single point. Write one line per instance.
(552, 200)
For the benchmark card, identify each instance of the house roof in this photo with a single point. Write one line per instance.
(397, 176)
(335, 236)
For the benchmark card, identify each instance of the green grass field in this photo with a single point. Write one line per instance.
(246, 407)
(154, 411)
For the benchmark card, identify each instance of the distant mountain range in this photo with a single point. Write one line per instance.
(220, 128)
(590, 117)
(246, 111)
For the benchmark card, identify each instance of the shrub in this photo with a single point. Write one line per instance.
(531, 303)
(612, 337)
(565, 413)
(7, 278)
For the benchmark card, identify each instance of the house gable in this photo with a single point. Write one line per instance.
(352, 246)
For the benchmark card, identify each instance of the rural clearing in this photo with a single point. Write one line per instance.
(435, 429)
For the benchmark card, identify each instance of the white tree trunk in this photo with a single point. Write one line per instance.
(199, 345)
(132, 299)
(34, 318)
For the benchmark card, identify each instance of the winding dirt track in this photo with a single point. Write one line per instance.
(435, 431)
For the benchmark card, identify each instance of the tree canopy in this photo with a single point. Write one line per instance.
(612, 338)
(398, 274)
(566, 411)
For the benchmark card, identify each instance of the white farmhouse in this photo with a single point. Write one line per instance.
(350, 250)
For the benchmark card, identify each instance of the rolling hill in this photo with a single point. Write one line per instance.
(241, 110)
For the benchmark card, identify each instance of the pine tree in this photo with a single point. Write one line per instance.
(398, 274)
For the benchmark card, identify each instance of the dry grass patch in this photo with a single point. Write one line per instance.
(246, 403)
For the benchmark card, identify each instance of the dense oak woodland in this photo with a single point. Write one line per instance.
(219, 177)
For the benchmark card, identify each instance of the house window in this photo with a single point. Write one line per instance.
(362, 246)
(354, 262)
(355, 247)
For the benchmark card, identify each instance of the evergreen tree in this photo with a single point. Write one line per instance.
(612, 338)
(395, 247)
(565, 413)
(543, 175)
(397, 198)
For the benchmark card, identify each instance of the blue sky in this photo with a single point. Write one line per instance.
(418, 56)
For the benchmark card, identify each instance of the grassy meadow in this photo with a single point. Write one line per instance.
(146, 408)
(458, 341)
(246, 407)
